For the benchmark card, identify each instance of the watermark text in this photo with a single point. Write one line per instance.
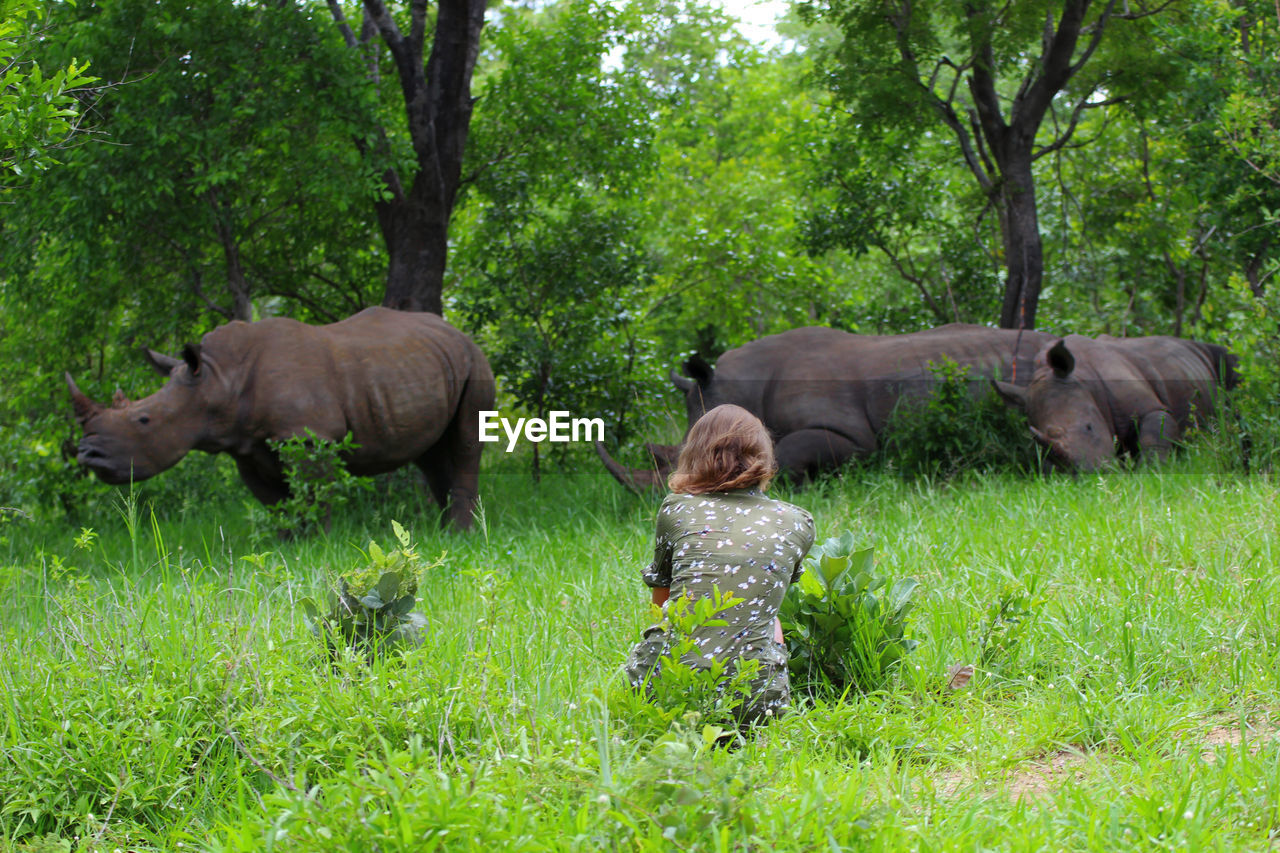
(558, 427)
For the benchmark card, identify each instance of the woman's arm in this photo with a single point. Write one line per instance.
(662, 593)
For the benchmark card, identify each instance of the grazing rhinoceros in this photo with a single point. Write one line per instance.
(826, 395)
(1089, 397)
(408, 387)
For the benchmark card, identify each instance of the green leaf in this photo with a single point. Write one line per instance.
(388, 586)
(810, 585)
(830, 568)
(402, 535)
(402, 605)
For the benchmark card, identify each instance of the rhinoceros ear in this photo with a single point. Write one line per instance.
(84, 407)
(161, 363)
(191, 355)
(1061, 360)
(697, 369)
(1014, 395)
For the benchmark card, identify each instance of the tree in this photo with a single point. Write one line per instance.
(212, 185)
(992, 75)
(39, 112)
(414, 210)
(552, 260)
(721, 209)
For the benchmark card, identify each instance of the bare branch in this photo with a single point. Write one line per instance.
(944, 108)
(340, 18)
(1080, 108)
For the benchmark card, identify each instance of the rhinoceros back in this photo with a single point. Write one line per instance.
(394, 380)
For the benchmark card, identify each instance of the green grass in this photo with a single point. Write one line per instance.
(161, 691)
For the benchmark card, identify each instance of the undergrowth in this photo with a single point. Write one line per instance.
(160, 689)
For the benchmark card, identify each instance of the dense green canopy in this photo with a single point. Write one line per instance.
(634, 182)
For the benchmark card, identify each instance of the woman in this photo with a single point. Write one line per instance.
(717, 529)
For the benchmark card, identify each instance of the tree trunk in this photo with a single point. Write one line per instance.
(237, 281)
(417, 244)
(1024, 252)
(438, 105)
(1010, 141)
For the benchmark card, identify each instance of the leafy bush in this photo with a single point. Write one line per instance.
(371, 607)
(846, 627)
(680, 690)
(959, 426)
(319, 481)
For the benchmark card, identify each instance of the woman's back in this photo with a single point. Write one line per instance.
(742, 543)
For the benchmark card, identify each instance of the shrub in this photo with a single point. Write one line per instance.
(845, 627)
(319, 481)
(962, 425)
(371, 606)
(678, 690)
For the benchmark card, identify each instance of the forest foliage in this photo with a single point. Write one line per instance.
(640, 182)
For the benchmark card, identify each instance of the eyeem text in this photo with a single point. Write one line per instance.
(560, 426)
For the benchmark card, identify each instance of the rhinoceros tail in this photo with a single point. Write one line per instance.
(640, 480)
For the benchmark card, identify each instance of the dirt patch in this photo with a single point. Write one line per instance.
(1041, 777)
(1255, 733)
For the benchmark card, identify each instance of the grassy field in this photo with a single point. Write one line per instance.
(161, 690)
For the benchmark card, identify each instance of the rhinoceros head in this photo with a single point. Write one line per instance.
(139, 439)
(1064, 415)
(697, 387)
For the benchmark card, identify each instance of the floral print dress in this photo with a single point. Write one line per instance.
(742, 543)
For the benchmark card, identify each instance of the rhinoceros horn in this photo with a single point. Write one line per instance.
(640, 480)
(83, 406)
(683, 383)
(119, 400)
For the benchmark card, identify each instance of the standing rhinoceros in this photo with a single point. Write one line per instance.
(826, 395)
(408, 387)
(1089, 397)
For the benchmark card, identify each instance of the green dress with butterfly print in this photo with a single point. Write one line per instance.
(747, 545)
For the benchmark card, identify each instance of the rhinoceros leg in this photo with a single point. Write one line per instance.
(453, 482)
(805, 453)
(452, 465)
(1157, 433)
(263, 475)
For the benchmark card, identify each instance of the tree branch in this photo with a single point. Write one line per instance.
(1077, 111)
(340, 18)
(944, 108)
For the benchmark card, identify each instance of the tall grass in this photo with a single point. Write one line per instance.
(160, 690)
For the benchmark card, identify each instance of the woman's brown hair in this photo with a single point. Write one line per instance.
(728, 448)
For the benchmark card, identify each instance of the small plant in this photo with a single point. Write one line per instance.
(683, 682)
(1009, 618)
(319, 481)
(954, 429)
(371, 607)
(846, 627)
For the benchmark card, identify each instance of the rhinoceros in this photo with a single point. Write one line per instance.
(408, 387)
(1091, 397)
(826, 395)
